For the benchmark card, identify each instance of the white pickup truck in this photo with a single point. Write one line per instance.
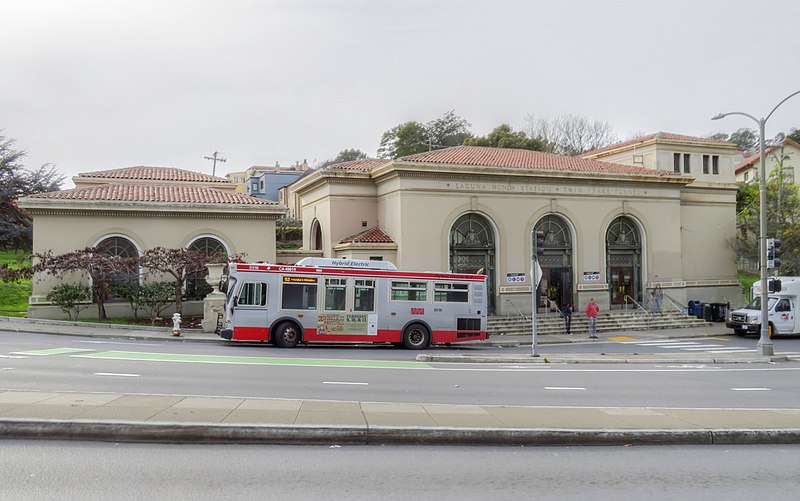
(783, 300)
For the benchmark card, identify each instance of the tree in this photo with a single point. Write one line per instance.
(16, 182)
(180, 264)
(415, 137)
(349, 155)
(503, 136)
(103, 269)
(783, 220)
(570, 135)
(794, 134)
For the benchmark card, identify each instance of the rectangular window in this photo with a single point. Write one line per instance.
(746, 176)
(705, 164)
(687, 163)
(451, 293)
(364, 298)
(299, 293)
(676, 162)
(715, 164)
(409, 291)
(253, 294)
(335, 294)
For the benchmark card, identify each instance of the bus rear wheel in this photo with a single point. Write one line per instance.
(416, 337)
(287, 335)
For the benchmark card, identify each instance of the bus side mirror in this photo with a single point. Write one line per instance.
(236, 301)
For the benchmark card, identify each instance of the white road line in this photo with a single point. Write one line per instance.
(713, 346)
(116, 374)
(136, 343)
(12, 356)
(751, 389)
(564, 388)
(345, 382)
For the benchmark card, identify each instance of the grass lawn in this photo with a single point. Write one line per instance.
(14, 295)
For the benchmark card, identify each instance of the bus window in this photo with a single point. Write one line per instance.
(409, 291)
(299, 293)
(451, 293)
(253, 294)
(364, 298)
(335, 294)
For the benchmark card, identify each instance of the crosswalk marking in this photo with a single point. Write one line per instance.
(695, 346)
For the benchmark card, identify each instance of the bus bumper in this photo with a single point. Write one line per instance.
(226, 333)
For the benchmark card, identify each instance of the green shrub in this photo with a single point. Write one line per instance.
(71, 298)
(155, 297)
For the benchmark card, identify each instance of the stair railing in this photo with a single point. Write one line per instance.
(509, 303)
(675, 304)
(627, 297)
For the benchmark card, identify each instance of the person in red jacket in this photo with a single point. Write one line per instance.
(591, 311)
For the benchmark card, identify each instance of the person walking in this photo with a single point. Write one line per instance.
(566, 311)
(591, 311)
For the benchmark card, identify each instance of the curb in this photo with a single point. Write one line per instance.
(179, 433)
(567, 359)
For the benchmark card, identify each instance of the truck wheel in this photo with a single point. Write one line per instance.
(287, 335)
(416, 337)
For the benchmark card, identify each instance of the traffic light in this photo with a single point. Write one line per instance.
(538, 242)
(773, 253)
(774, 285)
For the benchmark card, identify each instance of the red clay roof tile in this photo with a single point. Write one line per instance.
(371, 236)
(667, 136)
(142, 173)
(154, 193)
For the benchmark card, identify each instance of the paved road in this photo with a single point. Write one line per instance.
(112, 415)
(132, 471)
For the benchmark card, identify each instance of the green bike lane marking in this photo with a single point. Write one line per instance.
(51, 351)
(216, 359)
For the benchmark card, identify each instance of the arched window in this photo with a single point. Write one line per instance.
(122, 248)
(316, 235)
(196, 285)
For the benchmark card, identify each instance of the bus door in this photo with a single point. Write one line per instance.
(250, 311)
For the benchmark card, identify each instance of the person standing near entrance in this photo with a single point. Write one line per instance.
(591, 311)
(566, 312)
(658, 295)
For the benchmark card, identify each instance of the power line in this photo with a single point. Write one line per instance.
(215, 159)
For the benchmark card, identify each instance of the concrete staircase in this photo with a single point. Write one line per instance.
(553, 323)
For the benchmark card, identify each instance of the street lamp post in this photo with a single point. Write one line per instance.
(765, 346)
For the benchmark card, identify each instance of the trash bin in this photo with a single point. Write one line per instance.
(718, 311)
(695, 309)
(708, 312)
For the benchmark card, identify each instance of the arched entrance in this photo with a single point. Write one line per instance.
(555, 288)
(623, 261)
(472, 249)
(316, 235)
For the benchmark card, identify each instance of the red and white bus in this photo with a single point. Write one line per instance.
(352, 301)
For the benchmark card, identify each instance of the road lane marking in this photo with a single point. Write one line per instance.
(116, 374)
(345, 383)
(12, 356)
(564, 388)
(51, 351)
(129, 343)
(217, 359)
(622, 338)
(751, 389)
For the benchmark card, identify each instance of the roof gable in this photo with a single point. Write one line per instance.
(658, 136)
(143, 173)
(371, 236)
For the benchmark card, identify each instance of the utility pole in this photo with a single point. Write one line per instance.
(215, 159)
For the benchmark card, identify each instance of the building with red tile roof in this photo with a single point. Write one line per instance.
(129, 210)
(617, 221)
(784, 157)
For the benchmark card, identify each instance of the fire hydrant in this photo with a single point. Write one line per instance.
(176, 324)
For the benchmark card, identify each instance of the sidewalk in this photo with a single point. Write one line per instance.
(191, 419)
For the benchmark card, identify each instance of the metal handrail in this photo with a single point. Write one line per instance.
(508, 302)
(674, 303)
(634, 302)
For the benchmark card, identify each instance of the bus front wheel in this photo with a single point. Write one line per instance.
(416, 337)
(287, 335)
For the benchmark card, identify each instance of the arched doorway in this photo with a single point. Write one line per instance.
(316, 235)
(555, 288)
(472, 249)
(623, 261)
(196, 285)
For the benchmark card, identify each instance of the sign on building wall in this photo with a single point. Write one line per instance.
(591, 276)
(513, 278)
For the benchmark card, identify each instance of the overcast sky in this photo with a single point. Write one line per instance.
(101, 84)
